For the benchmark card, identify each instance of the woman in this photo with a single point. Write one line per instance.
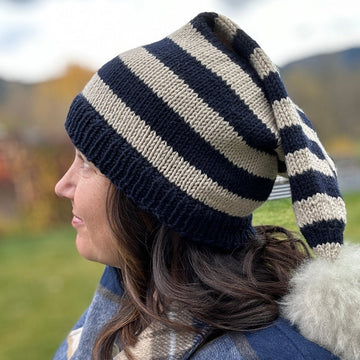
(177, 143)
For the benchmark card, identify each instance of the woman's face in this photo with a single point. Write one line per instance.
(87, 188)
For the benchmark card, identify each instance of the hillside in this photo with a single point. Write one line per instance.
(326, 87)
(33, 154)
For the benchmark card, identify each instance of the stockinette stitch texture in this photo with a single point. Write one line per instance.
(194, 129)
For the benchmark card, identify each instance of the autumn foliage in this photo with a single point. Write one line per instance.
(35, 151)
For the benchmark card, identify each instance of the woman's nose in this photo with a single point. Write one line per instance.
(65, 187)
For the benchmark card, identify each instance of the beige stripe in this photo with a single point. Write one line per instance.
(287, 115)
(304, 160)
(319, 207)
(262, 64)
(225, 30)
(167, 161)
(189, 39)
(199, 115)
(231, 28)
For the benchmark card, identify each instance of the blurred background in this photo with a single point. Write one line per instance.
(48, 51)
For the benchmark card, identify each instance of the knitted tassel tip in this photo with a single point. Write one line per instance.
(324, 302)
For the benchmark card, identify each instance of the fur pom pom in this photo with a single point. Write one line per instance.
(324, 302)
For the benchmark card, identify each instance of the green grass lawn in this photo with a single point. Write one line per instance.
(279, 212)
(45, 285)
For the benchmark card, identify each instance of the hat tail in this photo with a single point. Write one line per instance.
(324, 297)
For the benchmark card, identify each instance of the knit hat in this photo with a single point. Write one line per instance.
(194, 129)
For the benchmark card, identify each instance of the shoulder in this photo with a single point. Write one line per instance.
(280, 341)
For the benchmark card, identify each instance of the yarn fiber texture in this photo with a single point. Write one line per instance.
(194, 129)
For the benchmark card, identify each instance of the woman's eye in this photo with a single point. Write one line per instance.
(86, 165)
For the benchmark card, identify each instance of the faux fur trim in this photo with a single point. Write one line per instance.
(324, 302)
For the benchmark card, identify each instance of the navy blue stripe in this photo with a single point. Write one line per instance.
(305, 120)
(216, 93)
(293, 138)
(206, 19)
(331, 230)
(242, 45)
(146, 186)
(281, 166)
(179, 135)
(274, 88)
(310, 183)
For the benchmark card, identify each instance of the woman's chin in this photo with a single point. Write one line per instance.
(84, 248)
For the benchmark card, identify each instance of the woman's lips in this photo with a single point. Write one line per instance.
(76, 221)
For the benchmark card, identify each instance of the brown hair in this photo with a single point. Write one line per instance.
(228, 290)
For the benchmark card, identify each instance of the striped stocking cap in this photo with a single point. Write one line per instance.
(195, 128)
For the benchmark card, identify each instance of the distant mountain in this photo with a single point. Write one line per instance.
(347, 59)
(326, 87)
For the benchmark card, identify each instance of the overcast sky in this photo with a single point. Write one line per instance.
(38, 38)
